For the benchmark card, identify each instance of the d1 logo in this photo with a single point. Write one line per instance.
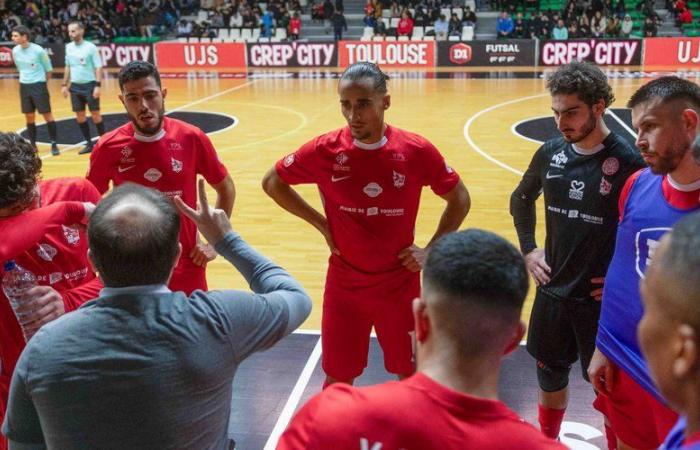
(460, 54)
(645, 244)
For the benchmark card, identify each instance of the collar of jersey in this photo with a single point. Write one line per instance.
(156, 137)
(694, 186)
(381, 143)
(590, 152)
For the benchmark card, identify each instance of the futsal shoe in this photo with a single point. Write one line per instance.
(54, 149)
(87, 149)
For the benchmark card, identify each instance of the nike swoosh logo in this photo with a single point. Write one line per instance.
(549, 177)
(124, 169)
(334, 178)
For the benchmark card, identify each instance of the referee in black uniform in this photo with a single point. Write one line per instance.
(581, 175)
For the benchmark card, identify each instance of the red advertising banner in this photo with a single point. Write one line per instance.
(178, 55)
(388, 54)
(669, 51)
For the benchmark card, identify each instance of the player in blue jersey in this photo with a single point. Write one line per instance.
(34, 68)
(666, 114)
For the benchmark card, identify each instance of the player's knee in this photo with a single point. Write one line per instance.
(552, 378)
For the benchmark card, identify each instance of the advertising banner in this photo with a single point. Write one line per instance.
(388, 54)
(119, 55)
(603, 52)
(293, 54)
(56, 54)
(671, 51)
(178, 55)
(516, 52)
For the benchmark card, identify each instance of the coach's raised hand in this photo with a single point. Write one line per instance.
(212, 223)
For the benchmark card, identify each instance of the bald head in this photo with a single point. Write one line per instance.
(133, 237)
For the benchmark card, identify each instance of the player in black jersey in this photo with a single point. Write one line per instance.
(581, 175)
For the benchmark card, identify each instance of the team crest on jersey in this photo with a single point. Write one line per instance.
(399, 180)
(342, 158)
(605, 186)
(559, 160)
(576, 191)
(55, 277)
(175, 146)
(611, 166)
(177, 165)
(71, 234)
(126, 155)
(288, 160)
(46, 252)
(398, 157)
(372, 189)
(646, 242)
(152, 175)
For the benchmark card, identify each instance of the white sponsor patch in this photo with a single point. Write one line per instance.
(152, 175)
(46, 252)
(372, 189)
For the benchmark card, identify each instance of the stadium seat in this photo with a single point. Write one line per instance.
(234, 33)
(247, 34)
(446, 12)
(367, 34)
(458, 11)
(256, 34)
(417, 33)
(281, 33)
(453, 38)
(264, 39)
(182, 39)
(387, 23)
(428, 38)
(193, 40)
(412, 11)
(378, 38)
(467, 33)
(275, 39)
(217, 40)
(202, 16)
(403, 38)
(471, 4)
(427, 29)
(390, 38)
(394, 22)
(205, 39)
(223, 33)
(386, 14)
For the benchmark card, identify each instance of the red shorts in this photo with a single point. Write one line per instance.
(352, 304)
(636, 417)
(188, 277)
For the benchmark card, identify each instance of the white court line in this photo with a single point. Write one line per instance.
(515, 125)
(179, 108)
(477, 149)
(622, 122)
(294, 397)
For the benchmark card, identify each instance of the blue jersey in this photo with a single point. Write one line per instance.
(646, 217)
(675, 440)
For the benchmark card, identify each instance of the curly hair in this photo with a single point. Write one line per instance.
(584, 79)
(20, 167)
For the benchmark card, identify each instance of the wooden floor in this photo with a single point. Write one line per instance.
(276, 116)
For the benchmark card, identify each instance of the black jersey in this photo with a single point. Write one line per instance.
(581, 193)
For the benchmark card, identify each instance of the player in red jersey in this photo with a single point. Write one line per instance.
(163, 154)
(370, 176)
(467, 318)
(36, 219)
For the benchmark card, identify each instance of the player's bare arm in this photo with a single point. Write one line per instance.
(66, 81)
(98, 76)
(290, 200)
(458, 204)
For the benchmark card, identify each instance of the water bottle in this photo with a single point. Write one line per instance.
(15, 283)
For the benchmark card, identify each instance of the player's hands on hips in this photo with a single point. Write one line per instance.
(537, 266)
(96, 92)
(64, 91)
(326, 232)
(597, 294)
(43, 304)
(413, 257)
(600, 372)
(202, 253)
(211, 222)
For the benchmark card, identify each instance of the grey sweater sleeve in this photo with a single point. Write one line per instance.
(265, 277)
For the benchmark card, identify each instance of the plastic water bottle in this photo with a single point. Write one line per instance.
(15, 283)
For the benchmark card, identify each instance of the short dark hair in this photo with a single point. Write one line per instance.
(77, 22)
(682, 257)
(477, 266)
(136, 70)
(667, 89)
(22, 31)
(695, 148)
(136, 245)
(583, 79)
(362, 70)
(20, 167)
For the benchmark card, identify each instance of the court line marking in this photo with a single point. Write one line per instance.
(621, 122)
(179, 108)
(294, 398)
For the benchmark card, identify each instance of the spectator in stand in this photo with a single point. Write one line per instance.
(249, 20)
(598, 25)
(395, 10)
(236, 20)
(504, 26)
(369, 8)
(455, 26)
(420, 19)
(520, 27)
(649, 29)
(574, 31)
(612, 30)
(626, 27)
(378, 7)
(295, 26)
(584, 26)
(441, 28)
(620, 11)
(370, 21)
(184, 29)
(328, 10)
(560, 32)
(405, 27)
(268, 24)
(380, 28)
(685, 16)
(469, 17)
(339, 25)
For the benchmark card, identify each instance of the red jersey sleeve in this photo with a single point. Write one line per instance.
(73, 298)
(99, 171)
(625, 193)
(208, 162)
(438, 174)
(301, 166)
(24, 230)
(90, 193)
(297, 436)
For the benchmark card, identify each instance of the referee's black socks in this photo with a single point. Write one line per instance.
(31, 130)
(100, 128)
(53, 134)
(85, 129)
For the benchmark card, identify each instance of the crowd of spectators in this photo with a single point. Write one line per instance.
(248, 14)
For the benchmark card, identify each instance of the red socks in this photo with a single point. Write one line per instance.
(550, 420)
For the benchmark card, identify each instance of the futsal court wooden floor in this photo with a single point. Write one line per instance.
(470, 120)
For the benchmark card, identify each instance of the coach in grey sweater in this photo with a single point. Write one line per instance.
(142, 367)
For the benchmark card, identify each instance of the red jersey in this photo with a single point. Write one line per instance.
(168, 162)
(41, 241)
(370, 193)
(417, 413)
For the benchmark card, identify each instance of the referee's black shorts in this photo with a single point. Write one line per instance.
(81, 95)
(562, 331)
(34, 97)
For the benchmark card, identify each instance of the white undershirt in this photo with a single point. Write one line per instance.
(588, 152)
(156, 137)
(381, 143)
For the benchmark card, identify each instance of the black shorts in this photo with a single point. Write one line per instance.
(563, 331)
(81, 95)
(34, 97)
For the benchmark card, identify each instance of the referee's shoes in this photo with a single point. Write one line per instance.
(54, 149)
(87, 149)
